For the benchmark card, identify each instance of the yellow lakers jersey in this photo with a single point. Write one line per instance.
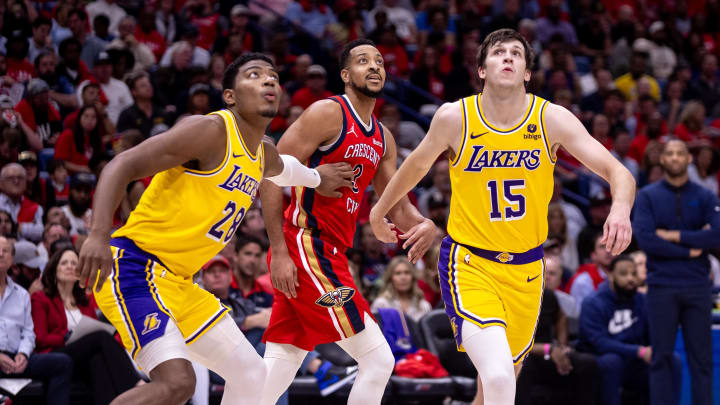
(185, 217)
(502, 181)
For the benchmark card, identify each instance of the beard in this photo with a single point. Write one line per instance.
(624, 294)
(78, 208)
(364, 90)
(675, 173)
(269, 112)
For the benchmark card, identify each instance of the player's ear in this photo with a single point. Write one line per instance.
(527, 75)
(481, 72)
(229, 97)
(345, 75)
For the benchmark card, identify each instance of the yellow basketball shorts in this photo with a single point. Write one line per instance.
(141, 296)
(485, 291)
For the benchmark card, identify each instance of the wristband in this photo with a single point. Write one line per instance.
(641, 352)
(546, 349)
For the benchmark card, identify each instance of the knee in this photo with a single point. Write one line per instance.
(500, 379)
(251, 374)
(178, 386)
(610, 363)
(379, 362)
(64, 363)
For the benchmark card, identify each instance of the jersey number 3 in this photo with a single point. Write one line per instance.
(515, 200)
(216, 233)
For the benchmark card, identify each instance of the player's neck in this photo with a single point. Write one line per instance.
(362, 104)
(502, 107)
(253, 129)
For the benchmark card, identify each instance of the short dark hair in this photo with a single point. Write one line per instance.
(79, 12)
(42, 54)
(501, 36)
(53, 165)
(345, 55)
(228, 81)
(101, 19)
(242, 240)
(618, 259)
(134, 77)
(62, 48)
(40, 21)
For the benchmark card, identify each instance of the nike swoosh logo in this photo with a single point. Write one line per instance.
(237, 156)
(531, 279)
(473, 135)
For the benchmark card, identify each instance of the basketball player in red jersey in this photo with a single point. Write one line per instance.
(316, 299)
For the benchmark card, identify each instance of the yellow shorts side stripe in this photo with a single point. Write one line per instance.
(121, 305)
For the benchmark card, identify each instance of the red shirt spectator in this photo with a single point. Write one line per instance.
(208, 27)
(20, 70)
(50, 321)
(314, 89)
(153, 40)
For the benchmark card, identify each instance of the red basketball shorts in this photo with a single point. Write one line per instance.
(328, 306)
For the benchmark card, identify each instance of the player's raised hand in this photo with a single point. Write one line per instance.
(420, 237)
(382, 228)
(283, 273)
(617, 232)
(95, 256)
(332, 177)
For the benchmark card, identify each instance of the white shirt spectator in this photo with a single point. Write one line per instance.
(402, 18)
(574, 217)
(26, 230)
(118, 95)
(114, 12)
(77, 224)
(710, 182)
(582, 287)
(200, 57)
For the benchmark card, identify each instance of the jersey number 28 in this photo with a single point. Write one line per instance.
(216, 233)
(515, 200)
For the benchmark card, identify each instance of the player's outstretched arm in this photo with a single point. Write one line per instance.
(175, 147)
(418, 231)
(320, 123)
(563, 128)
(445, 132)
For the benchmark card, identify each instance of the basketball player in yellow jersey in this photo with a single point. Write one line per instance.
(502, 146)
(207, 171)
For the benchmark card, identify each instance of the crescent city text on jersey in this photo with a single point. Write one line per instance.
(481, 159)
(362, 150)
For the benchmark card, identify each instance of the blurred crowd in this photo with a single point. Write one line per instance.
(82, 81)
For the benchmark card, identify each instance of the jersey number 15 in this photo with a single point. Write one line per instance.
(515, 200)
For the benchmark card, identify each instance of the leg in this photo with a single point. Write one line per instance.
(56, 370)
(375, 364)
(663, 313)
(583, 378)
(202, 385)
(696, 321)
(490, 354)
(611, 368)
(282, 362)
(224, 349)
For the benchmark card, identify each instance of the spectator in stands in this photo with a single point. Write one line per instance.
(614, 326)
(640, 259)
(239, 18)
(589, 276)
(428, 281)
(9, 86)
(46, 67)
(594, 101)
(557, 225)
(144, 58)
(101, 28)
(26, 213)
(109, 8)
(704, 168)
(628, 83)
(173, 77)
(691, 123)
(599, 210)
(38, 189)
(395, 58)
(116, 91)
(620, 149)
(374, 258)
(78, 209)
(76, 145)
(408, 134)
(706, 87)
(247, 264)
(40, 40)
(553, 281)
(39, 114)
(29, 138)
(71, 71)
(564, 375)
(401, 291)
(400, 18)
(58, 179)
(17, 359)
(314, 88)
(440, 185)
(672, 103)
(28, 266)
(8, 227)
(428, 75)
(143, 115)
(57, 310)
(552, 24)
(217, 68)
(90, 44)
(676, 222)
(198, 56)
(92, 95)
(574, 218)
(19, 67)
(52, 232)
(147, 34)
(313, 16)
(198, 101)
(662, 57)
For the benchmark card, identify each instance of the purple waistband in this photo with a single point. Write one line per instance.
(529, 256)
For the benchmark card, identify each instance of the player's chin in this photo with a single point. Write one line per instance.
(268, 112)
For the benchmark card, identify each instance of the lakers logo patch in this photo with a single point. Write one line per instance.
(504, 257)
(336, 298)
(151, 323)
(532, 128)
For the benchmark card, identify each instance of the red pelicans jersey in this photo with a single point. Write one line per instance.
(360, 145)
